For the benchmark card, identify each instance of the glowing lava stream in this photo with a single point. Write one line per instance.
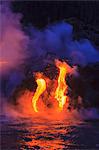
(61, 88)
(40, 89)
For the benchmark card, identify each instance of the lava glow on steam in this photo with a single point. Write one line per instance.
(58, 93)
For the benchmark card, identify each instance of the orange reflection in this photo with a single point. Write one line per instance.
(46, 136)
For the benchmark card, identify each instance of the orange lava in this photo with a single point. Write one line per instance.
(40, 89)
(62, 87)
(54, 91)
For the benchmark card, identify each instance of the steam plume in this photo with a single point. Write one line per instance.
(13, 40)
(57, 38)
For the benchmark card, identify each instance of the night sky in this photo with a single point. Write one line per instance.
(40, 13)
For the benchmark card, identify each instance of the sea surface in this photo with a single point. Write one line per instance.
(43, 134)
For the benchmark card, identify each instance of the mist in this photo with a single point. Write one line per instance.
(17, 45)
(13, 41)
(58, 38)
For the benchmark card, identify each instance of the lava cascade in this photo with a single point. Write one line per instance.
(60, 87)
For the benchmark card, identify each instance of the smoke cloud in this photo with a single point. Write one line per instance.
(16, 45)
(13, 43)
(58, 38)
(13, 40)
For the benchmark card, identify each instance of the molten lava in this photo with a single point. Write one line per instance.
(62, 87)
(56, 89)
(40, 89)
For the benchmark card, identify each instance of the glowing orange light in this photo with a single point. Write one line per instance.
(3, 63)
(56, 91)
(62, 87)
(40, 89)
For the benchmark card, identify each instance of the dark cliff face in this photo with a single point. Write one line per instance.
(86, 85)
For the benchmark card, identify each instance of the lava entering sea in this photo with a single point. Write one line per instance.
(58, 88)
(49, 95)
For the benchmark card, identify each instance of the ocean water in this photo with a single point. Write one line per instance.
(44, 134)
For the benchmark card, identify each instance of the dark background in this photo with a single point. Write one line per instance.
(40, 13)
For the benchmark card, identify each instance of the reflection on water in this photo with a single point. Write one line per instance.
(49, 135)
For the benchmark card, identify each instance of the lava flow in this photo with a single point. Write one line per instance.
(62, 87)
(40, 89)
(59, 89)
